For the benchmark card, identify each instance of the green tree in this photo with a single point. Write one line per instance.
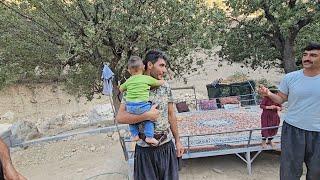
(267, 33)
(70, 40)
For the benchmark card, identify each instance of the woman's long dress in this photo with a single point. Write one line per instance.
(269, 118)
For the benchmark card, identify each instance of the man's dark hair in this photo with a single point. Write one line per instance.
(153, 56)
(312, 46)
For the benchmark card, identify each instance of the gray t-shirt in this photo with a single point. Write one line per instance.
(303, 100)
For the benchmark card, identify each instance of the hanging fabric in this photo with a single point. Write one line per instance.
(107, 76)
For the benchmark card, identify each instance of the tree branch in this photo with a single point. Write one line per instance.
(278, 37)
(71, 21)
(294, 30)
(150, 2)
(292, 4)
(86, 17)
(304, 21)
(70, 61)
(97, 7)
(269, 35)
(50, 17)
(28, 18)
(116, 51)
(96, 53)
(269, 16)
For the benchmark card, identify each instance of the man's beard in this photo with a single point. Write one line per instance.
(154, 75)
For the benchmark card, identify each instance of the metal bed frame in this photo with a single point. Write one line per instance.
(247, 151)
(243, 151)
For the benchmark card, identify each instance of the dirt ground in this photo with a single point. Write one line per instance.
(39, 101)
(84, 157)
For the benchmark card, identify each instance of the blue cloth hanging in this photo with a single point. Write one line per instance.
(107, 76)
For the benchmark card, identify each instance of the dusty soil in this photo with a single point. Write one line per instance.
(40, 101)
(87, 157)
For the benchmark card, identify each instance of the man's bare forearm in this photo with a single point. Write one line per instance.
(277, 98)
(9, 172)
(124, 117)
(173, 122)
(4, 154)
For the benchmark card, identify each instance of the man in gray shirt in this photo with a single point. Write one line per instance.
(300, 138)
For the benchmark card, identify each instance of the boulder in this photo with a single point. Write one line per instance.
(7, 116)
(23, 130)
(101, 112)
(54, 123)
(5, 133)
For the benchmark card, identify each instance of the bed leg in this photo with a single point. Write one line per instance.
(248, 158)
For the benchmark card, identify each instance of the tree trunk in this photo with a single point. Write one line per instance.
(116, 98)
(288, 58)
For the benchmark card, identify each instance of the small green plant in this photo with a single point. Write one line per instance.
(236, 77)
(264, 82)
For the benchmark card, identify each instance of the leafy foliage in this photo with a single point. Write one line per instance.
(266, 33)
(70, 40)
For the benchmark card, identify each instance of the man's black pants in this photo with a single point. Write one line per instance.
(298, 146)
(156, 163)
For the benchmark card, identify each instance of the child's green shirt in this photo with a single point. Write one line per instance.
(137, 87)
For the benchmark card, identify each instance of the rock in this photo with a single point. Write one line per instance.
(24, 147)
(24, 130)
(115, 136)
(58, 120)
(5, 133)
(33, 101)
(80, 170)
(217, 170)
(67, 155)
(101, 112)
(7, 116)
(33, 135)
(109, 134)
(54, 123)
(73, 150)
(92, 148)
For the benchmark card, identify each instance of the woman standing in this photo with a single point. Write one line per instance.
(269, 118)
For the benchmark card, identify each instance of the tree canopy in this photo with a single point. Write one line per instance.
(268, 33)
(70, 40)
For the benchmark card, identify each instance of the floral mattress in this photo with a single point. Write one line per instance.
(195, 123)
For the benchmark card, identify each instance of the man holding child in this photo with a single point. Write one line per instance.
(156, 162)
